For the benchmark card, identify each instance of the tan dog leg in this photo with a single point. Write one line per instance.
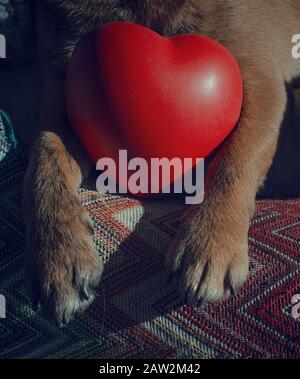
(210, 253)
(63, 267)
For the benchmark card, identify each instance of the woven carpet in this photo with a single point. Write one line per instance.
(136, 313)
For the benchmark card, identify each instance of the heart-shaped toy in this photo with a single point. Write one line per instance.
(128, 87)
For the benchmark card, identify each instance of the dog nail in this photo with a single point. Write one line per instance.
(59, 323)
(232, 290)
(67, 318)
(200, 302)
(188, 297)
(85, 292)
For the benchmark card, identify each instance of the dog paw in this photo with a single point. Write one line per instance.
(63, 266)
(208, 259)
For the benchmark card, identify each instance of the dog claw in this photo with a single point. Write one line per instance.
(200, 302)
(84, 290)
(232, 290)
(188, 297)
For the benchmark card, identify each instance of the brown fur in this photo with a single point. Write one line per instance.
(210, 254)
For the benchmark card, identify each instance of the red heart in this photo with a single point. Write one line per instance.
(129, 88)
